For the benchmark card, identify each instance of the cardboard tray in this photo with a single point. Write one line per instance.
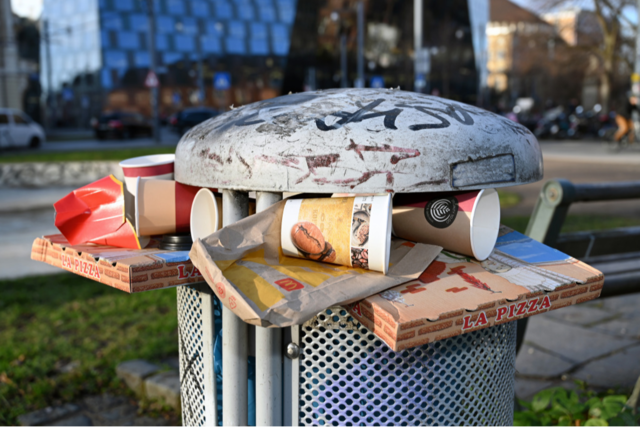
(457, 294)
(130, 270)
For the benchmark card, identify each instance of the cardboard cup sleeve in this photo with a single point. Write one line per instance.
(206, 214)
(465, 222)
(349, 231)
(162, 206)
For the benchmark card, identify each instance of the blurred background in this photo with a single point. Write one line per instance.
(67, 62)
(85, 84)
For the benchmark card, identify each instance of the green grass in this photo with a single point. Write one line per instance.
(576, 222)
(47, 322)
(116, 154)
(508, 199)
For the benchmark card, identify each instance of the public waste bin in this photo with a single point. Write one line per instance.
(332, 370)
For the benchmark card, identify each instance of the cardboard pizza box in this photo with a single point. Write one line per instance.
(130, 270)
(457, 294)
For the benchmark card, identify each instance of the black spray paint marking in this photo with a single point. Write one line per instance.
(364, 113)
(454, 112)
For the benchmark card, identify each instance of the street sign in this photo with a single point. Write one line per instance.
(222, 81)
(377, 82)
(151, 80)
(423, 61)
(420, 81)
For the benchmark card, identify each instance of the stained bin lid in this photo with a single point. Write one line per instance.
(358, 140)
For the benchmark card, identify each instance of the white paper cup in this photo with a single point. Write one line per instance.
(206, 214)
(156, 166)
(464, 222)
(350, 231)
(163, 206)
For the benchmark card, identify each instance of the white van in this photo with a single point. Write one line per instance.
(18, 130)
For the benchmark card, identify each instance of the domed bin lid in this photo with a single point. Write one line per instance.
(359, 141)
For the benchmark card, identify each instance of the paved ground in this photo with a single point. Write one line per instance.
(104, 410)
(597, 342)
(583, 162)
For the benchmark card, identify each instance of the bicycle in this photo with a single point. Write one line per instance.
(623, 143)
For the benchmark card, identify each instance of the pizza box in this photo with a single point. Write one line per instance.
(457, 294)
(130, 270)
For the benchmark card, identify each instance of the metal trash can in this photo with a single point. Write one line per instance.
(348, 376)
(337, 372)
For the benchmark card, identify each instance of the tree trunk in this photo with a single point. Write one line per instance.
(605, 91)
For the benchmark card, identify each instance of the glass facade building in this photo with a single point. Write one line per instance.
(95, 53)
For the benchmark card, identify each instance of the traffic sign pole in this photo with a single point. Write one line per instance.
(152, 69)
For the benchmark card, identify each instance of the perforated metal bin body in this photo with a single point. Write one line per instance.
(345, 375)
(348, 376)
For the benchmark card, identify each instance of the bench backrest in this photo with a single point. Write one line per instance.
(615, 252)
(556, 197)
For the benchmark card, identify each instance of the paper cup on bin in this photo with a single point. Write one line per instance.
(465, 222)
(162, 206)
(206, 214)
(350, 231)
(156, 166)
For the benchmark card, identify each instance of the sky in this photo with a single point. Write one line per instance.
(28, 8)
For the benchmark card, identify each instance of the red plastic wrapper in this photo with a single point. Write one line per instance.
(95, 214)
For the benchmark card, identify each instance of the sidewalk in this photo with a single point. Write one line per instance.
(589, 151)
(24, 215)
(597, 342)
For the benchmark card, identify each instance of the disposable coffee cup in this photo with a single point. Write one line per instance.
(156, 166)
(350, 231)
(162, 206)
(206, 214)
(465, 222)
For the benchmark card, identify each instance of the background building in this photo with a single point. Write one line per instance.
(580, 29)
(18, 59)
(95, 53)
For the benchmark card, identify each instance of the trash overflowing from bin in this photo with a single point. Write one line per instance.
(280, 267)
(163, 206)
(245, 265)
(415, 170)
(95, 213)
(463, 222)
(155, 166)
(350, 231)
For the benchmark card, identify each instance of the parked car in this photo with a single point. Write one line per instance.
(122, 125)
(18, 130)
(184, 120)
